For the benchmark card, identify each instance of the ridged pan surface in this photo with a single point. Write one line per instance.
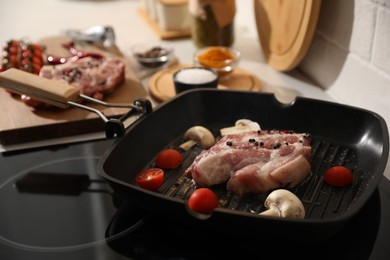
(341, 135)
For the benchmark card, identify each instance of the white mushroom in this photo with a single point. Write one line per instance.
(198, 135)
(284, 204)
(241, 125)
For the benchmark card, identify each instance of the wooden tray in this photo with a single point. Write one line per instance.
(162, 88)
(286, 29)
(20, 123)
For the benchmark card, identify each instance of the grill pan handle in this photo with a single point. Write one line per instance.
(116, 127)
(63, 95)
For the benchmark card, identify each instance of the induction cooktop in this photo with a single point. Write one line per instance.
(54, 205)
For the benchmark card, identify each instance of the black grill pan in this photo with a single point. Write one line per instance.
(341, 135)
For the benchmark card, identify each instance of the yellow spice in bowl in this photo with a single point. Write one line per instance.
(218, 58)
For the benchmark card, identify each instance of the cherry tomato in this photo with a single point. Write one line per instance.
(169, 159)
(338, 176)
(27, 100)
(13, 61)
(38, 50)
(203, 200)
(150, 179)
(37, 60)
(13, 50)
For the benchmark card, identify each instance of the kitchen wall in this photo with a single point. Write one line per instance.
(350, 53)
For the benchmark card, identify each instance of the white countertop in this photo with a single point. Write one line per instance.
(42, 18)
(37, 19)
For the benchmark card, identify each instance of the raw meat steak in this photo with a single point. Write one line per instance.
(94, 77)
(254, 162)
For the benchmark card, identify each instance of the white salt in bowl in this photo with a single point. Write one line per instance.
(194, 77)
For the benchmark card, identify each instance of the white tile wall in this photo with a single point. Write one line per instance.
(324, 61)
(350, 53)
(381, 48)
(363, 22)
(382, 2)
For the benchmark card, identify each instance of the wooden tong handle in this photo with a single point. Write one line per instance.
(46, 90)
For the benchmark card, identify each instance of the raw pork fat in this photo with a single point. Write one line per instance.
(254, 162)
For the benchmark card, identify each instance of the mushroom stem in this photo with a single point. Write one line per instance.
(272, 211)
(198, 135)
(187, 145)
(284, 204)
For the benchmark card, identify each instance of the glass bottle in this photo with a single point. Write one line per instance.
(212, 22)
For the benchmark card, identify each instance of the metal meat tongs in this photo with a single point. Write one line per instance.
(63, 95)
(96, 34)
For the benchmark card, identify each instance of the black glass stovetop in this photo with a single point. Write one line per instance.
(54, 205)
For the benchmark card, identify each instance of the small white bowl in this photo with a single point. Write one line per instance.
(194, 77)
(152, 55)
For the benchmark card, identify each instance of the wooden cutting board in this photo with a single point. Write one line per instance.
(286, 29)
(162, 88)
(20, 123)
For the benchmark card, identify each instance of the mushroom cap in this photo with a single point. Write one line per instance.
(286, 203)
(201, 135)
(241, 125)
(248, 124)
